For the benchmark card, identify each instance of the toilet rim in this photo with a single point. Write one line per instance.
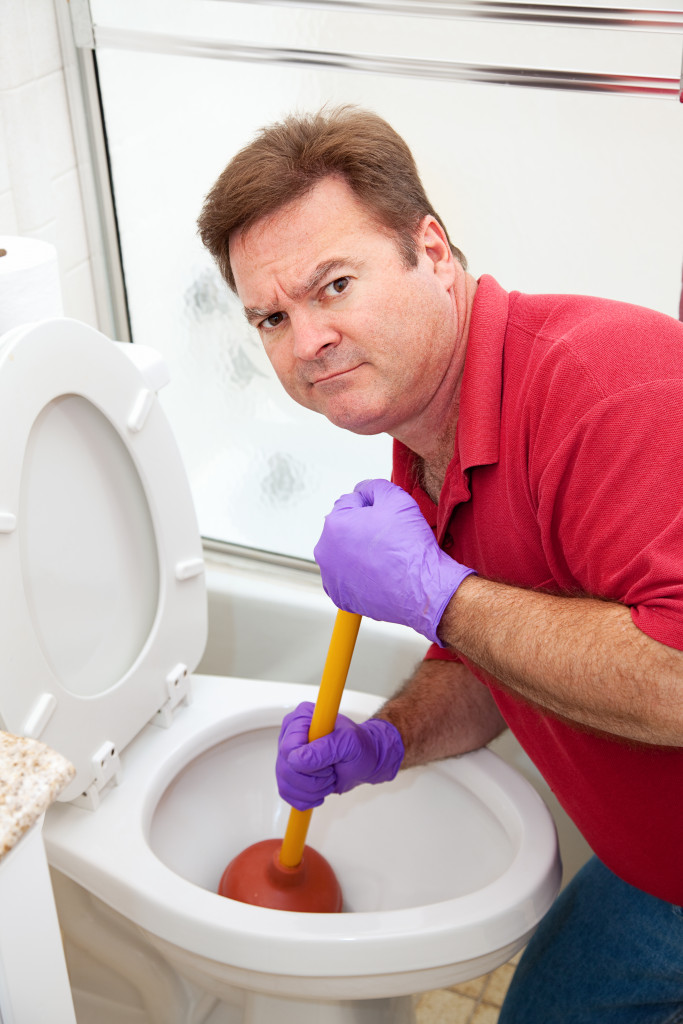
(124, 871)
(41, 363)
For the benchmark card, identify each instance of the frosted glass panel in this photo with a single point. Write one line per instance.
(546, 190)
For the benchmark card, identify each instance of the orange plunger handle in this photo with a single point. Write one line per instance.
(324, 717)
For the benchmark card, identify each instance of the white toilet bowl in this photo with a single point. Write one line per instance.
(445, 871)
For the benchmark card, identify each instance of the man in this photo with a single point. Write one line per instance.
(533, 530)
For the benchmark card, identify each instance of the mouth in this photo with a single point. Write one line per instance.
(336, 375)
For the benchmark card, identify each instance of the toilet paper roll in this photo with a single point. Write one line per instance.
(29, 281)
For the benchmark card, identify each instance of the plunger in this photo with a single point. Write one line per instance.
(287, 874)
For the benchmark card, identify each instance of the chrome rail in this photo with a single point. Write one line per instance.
(80, 76)
(579, 81)
(568, 15)
(226, 551)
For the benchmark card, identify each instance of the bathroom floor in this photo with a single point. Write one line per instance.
(471, 1002)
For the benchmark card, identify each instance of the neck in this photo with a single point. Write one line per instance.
(431, 435)
(431, 475)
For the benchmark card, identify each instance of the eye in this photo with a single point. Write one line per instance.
(339, 285)
(274, 320)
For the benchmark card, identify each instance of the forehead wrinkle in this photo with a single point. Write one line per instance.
(322, 270)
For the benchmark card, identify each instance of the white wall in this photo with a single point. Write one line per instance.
(40, 194)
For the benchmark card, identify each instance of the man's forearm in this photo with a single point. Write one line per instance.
(442, 711)
(579, 658)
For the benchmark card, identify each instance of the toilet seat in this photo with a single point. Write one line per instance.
(66, 370)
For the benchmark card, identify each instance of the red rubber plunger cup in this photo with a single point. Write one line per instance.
(257, 876)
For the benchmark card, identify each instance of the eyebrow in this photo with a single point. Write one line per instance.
(323, 270)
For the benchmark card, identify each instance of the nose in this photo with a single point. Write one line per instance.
(313, 332)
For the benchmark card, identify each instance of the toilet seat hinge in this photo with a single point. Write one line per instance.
(179, 692)
(106, 770)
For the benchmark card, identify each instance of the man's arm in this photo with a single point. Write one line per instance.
(442, 711)
(580, 658)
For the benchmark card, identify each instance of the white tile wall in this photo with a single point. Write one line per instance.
(40, 194)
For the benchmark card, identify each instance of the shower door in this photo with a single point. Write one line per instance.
(549, 138)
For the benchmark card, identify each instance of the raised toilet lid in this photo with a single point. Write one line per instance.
(103, 601)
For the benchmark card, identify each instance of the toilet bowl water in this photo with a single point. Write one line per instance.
(445, 872)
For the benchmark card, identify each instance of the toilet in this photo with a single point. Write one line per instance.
(446, 871)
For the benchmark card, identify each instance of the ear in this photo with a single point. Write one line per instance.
(432, 243)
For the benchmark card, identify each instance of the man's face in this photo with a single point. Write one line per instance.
(351, 331)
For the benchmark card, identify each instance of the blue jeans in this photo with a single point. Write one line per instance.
(605, 953)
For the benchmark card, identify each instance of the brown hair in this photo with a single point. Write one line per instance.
(289, 158)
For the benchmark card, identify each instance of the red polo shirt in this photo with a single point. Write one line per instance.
(567, 477)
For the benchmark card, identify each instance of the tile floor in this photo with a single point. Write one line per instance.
(471, 1002)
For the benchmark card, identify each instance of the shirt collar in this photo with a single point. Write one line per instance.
(478, 431)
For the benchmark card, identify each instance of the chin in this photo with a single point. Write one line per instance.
(367, 430)
(358, 424)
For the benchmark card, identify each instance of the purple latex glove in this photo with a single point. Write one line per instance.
(308, 772)
(378, 557)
